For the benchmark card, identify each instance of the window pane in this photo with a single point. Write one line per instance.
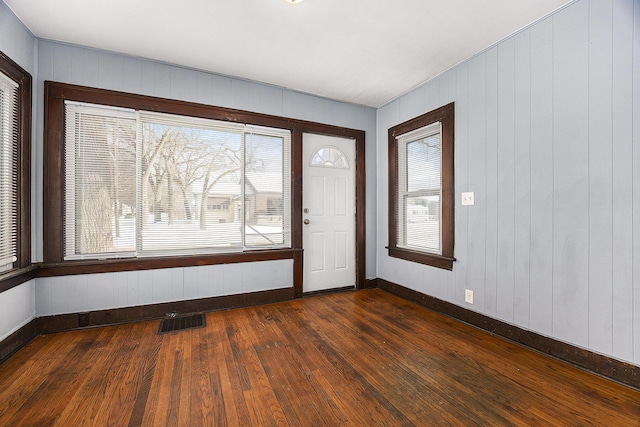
(100, 213)
(329, 157)
(423, 164)
(419, 193)
(152, 184)
(8, 171)
(191, 188)
(422, 222)
(264, 190)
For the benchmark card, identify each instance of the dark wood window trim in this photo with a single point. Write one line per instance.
(445, 115)
(22, 270)
(69, 268)
(54, 265)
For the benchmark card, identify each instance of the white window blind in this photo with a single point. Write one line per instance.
(267, 187)
(8, 171)
(420, 189)
(100, 181)
(179, 185)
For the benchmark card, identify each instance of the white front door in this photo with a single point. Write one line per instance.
(328, 212)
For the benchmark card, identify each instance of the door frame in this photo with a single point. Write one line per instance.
(327, 220)
(297, 187)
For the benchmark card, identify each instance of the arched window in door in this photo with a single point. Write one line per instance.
(329, 157)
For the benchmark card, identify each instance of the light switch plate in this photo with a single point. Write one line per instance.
(467, 198)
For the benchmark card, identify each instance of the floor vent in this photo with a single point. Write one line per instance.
(171, 324)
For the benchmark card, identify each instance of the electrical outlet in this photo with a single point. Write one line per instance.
(468, 296)
(467, 199)
(83, 320)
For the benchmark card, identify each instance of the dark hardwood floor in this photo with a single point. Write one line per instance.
(351, 358)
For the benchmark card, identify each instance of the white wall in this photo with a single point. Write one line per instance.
(89, 292)
(17, 305)
(89, 67)
(16, 41)
(545, 136)
(17, 308)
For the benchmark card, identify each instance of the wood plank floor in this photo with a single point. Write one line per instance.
(356, 358)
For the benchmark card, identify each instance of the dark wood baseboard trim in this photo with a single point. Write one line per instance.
(64, 322)
(614, 369)
(371, 283)
(17, 340)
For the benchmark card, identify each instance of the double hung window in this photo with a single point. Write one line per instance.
(15, 133)
(421, 189)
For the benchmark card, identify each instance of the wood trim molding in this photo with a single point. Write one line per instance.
(17, 277)
(422, 257)
(371, 283)
(14, 342)
(614, 369)
(65, 322)
(70, 268)
(296, 215)
(361, 215)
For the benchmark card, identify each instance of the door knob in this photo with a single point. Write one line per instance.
(306, 221)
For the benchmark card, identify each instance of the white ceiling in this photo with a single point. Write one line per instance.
(361, 51)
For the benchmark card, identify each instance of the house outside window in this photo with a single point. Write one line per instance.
(139, 183)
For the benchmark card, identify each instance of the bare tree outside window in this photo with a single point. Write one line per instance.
(154, 183)
(105, 163)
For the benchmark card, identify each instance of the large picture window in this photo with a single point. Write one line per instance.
(15, 141)
(140, 183)
(421, 189)
(137, 182)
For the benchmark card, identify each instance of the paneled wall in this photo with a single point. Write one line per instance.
(89, 292)
(83, 66)
(16, 41)
(17, 308)
(17, 305)
(546, 125)
(89, 67)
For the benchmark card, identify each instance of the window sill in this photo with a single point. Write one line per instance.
(12, 278)
(129, 264)
(432, 260)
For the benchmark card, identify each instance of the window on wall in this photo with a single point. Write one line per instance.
(144, 184)
(15, 141)
(421, 189)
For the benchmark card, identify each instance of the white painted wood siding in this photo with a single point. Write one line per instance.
(89, 292)
(546, 127)
(82, 66)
